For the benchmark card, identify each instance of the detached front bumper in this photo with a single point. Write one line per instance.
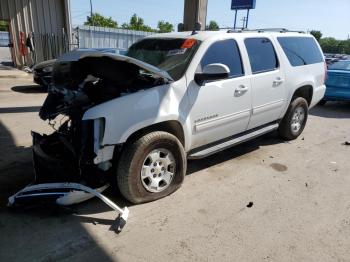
(59, 178)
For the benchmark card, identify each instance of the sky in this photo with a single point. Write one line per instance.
(332, 18)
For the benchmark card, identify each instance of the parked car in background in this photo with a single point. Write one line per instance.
(338, 82)
(333, 58)
(42, 72)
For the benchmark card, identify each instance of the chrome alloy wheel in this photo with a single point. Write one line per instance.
(158, 170)
(297, 119)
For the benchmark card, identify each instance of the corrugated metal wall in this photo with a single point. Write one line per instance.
(100, 37)
(39, 16)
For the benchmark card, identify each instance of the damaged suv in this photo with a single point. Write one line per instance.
(134, 120)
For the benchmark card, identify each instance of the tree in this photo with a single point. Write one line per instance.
(316, 34)
(329, 45)
(99, 20)
(213, 25)
(137, 23)
(165, 27)
(3, 26)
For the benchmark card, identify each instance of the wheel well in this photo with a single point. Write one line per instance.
(305, 92)
(173, 127)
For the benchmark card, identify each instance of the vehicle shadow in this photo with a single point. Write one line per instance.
(13, 173)
(332, 110)
(24, 109)
(47, 232)
(29, 89)
(233, 152)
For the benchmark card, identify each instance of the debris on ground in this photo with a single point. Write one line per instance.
(303, 138)
(27, 69)
(306, 184)
(346, 143)
(250, 204)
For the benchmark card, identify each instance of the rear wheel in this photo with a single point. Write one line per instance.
(294, 121)
(151, 167)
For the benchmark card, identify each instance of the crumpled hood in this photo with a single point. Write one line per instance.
(78, 55)
(83, 79)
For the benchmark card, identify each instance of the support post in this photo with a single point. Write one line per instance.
(246, 25)
(234, 25)
(194, 11)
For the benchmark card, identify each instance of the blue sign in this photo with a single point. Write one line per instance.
(243, 4)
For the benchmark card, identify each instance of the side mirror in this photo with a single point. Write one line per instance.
(212, 72)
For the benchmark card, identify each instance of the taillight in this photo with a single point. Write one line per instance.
(325, 73)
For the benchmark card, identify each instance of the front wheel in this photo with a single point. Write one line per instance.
(151, 167)
(294, 121)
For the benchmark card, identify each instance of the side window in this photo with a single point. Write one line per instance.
(301, 50)
(225, 52)
(262, 55)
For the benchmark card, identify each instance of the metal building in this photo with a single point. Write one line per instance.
(103, 37)
(49, 21)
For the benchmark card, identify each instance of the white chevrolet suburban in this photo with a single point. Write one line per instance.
(134, 120)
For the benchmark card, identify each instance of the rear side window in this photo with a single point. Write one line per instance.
(225, 52)
(262, 55)
(301, 50)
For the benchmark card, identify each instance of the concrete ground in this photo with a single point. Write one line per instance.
(299, 194)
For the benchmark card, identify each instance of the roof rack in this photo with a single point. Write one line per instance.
(262, 30)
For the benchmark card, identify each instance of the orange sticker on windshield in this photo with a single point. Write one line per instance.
(189, 43)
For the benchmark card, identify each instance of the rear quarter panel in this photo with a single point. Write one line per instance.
(298, 76)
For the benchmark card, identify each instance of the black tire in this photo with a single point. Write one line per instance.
(285, 127)
(132, 160)
(322, 102)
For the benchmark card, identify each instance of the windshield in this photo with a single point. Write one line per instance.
(340, 65)
(170, 55)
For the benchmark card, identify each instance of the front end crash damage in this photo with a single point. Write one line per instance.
(72, 161)
(83, 80)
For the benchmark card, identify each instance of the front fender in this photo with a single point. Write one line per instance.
(128, 114)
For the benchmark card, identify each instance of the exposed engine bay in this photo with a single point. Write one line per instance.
(79, 85)
(82, 80)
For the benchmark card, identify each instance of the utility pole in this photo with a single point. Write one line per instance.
(244, 20)
(92, 20)
(234, 24)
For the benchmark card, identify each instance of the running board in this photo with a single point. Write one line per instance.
(235, 141)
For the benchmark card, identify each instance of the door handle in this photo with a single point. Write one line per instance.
(278, 81)
(241, 90)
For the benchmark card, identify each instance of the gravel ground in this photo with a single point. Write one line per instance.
(265, 200)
